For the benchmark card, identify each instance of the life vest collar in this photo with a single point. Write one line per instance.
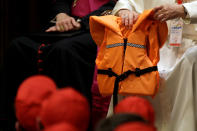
(141, 18)
(113, 23)
(110, 22)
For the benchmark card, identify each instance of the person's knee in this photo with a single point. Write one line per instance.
(23, 42)
(18, 40)
(63, 46)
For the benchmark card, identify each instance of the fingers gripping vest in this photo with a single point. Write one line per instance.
(127, 58)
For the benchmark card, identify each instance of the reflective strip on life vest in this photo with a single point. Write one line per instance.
(114, 45)
(128, 44)
(136, 45)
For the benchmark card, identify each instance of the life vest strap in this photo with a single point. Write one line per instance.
(138, 72)
(108, 72)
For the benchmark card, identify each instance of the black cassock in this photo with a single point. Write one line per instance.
(69, 60)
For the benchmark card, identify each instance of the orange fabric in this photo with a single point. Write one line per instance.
(146, 32)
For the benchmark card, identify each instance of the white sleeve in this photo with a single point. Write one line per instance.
(122, 4)
(136, 5)
(192, 11)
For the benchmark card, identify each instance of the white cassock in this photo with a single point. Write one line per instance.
(176, 102)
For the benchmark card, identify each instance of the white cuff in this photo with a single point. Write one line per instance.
(121, 4)
(192, 11)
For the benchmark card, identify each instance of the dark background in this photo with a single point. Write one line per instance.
(19, 17)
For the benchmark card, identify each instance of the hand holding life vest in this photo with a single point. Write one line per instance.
(128, 17)
(169, 12)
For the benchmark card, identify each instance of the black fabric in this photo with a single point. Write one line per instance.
(61, 6)
(20, 63)
(123, 76)
(68, 61)
(71, 62)
(48, 36)
(111, 123)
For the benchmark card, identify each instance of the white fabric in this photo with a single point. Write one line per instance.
(176, 102)
(192, 10)
(139, 5)
(123, 4)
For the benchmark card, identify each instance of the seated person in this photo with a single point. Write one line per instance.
(67, 60)
(175, 102)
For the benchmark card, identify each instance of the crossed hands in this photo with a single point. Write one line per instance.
(64, 23)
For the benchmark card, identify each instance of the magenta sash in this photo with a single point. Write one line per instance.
(84, 7)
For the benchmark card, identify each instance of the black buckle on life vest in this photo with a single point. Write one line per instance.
(137, 72)
(110, 73)
(124, 75)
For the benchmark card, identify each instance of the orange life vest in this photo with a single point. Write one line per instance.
(127, 58)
